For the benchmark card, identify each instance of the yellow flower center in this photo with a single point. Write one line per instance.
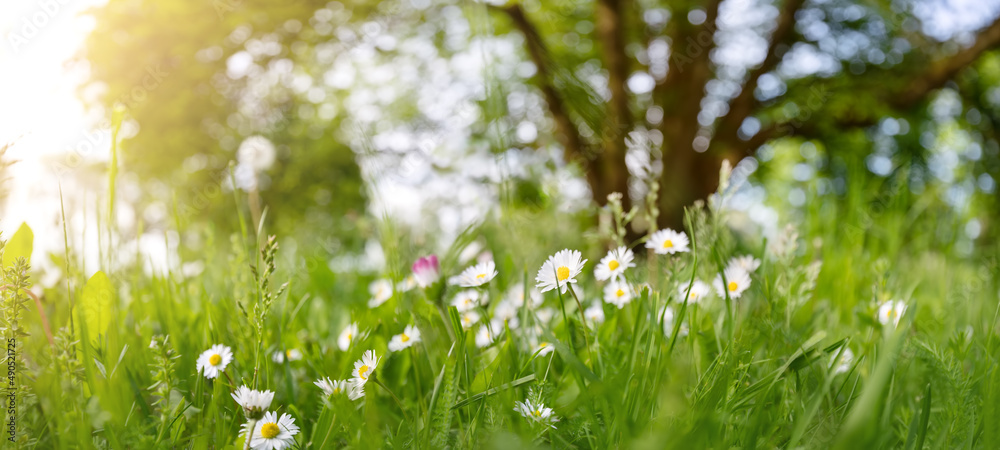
(269, 430)
(613, 264)
(620, 293)
(543, 345)
(215, 359)
(336, 390)
(481, 276)
(892, 313)
(562, 273)
(363, 372)
(403, 337)
(668, 244)
(538, 413)
(350, 336)
(733, 286)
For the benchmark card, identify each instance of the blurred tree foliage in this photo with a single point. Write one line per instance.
(676, 86)
(716, 80)
(167, 62)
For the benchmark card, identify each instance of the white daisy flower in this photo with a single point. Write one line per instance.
(466, 300)
(614, 264)
(737, 281)
(544, 348)
(505, 310)
(476, 275)
(355, 391)
(214, 360)
(406, 284)
(746, 262)
(667, 241)
(668, 323)
(842, 363)
(560, 270)
(516, 296)
(699, 291)
(469, 318)
(331, 387)
(618, 293)
(273, 433)
(253, 402)
(536, 412)
(409, 336)
(292, 354)
(595, 312)
(348, 336)
(890, 312)
(381, 291)
(545, 315)
(498, 325)
(485, 336)
(364, 368)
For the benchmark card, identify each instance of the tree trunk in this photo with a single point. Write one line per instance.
(687, 176)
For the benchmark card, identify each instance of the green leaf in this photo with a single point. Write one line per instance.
(117, 116)
(486, 376)
(918, 426)
(96, 302)
(19, 245)
(860, 427)
(513, 384)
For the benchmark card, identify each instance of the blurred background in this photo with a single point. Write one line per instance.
(872, 117)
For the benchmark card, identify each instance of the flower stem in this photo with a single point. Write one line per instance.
(398, 403)
(253, 425)
(446, 322)
(583, 320)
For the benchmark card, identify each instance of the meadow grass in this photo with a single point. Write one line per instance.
(804, 358)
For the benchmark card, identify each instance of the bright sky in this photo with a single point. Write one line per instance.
(39, 109)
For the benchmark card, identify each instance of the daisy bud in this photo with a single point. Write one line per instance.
(426, 271)
(253, 402)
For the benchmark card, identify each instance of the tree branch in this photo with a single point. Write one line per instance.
(692, 45)
(766, 134)
(611, 161)
(569, 135)
(680, 97)
(917, 89)
(943, 70)
(609, 27)
(744, 103)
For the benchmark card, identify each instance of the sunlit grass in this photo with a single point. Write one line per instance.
(803, 357)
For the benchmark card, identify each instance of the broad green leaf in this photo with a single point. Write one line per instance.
(19, 245)
(861, 425)
(96, 302)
